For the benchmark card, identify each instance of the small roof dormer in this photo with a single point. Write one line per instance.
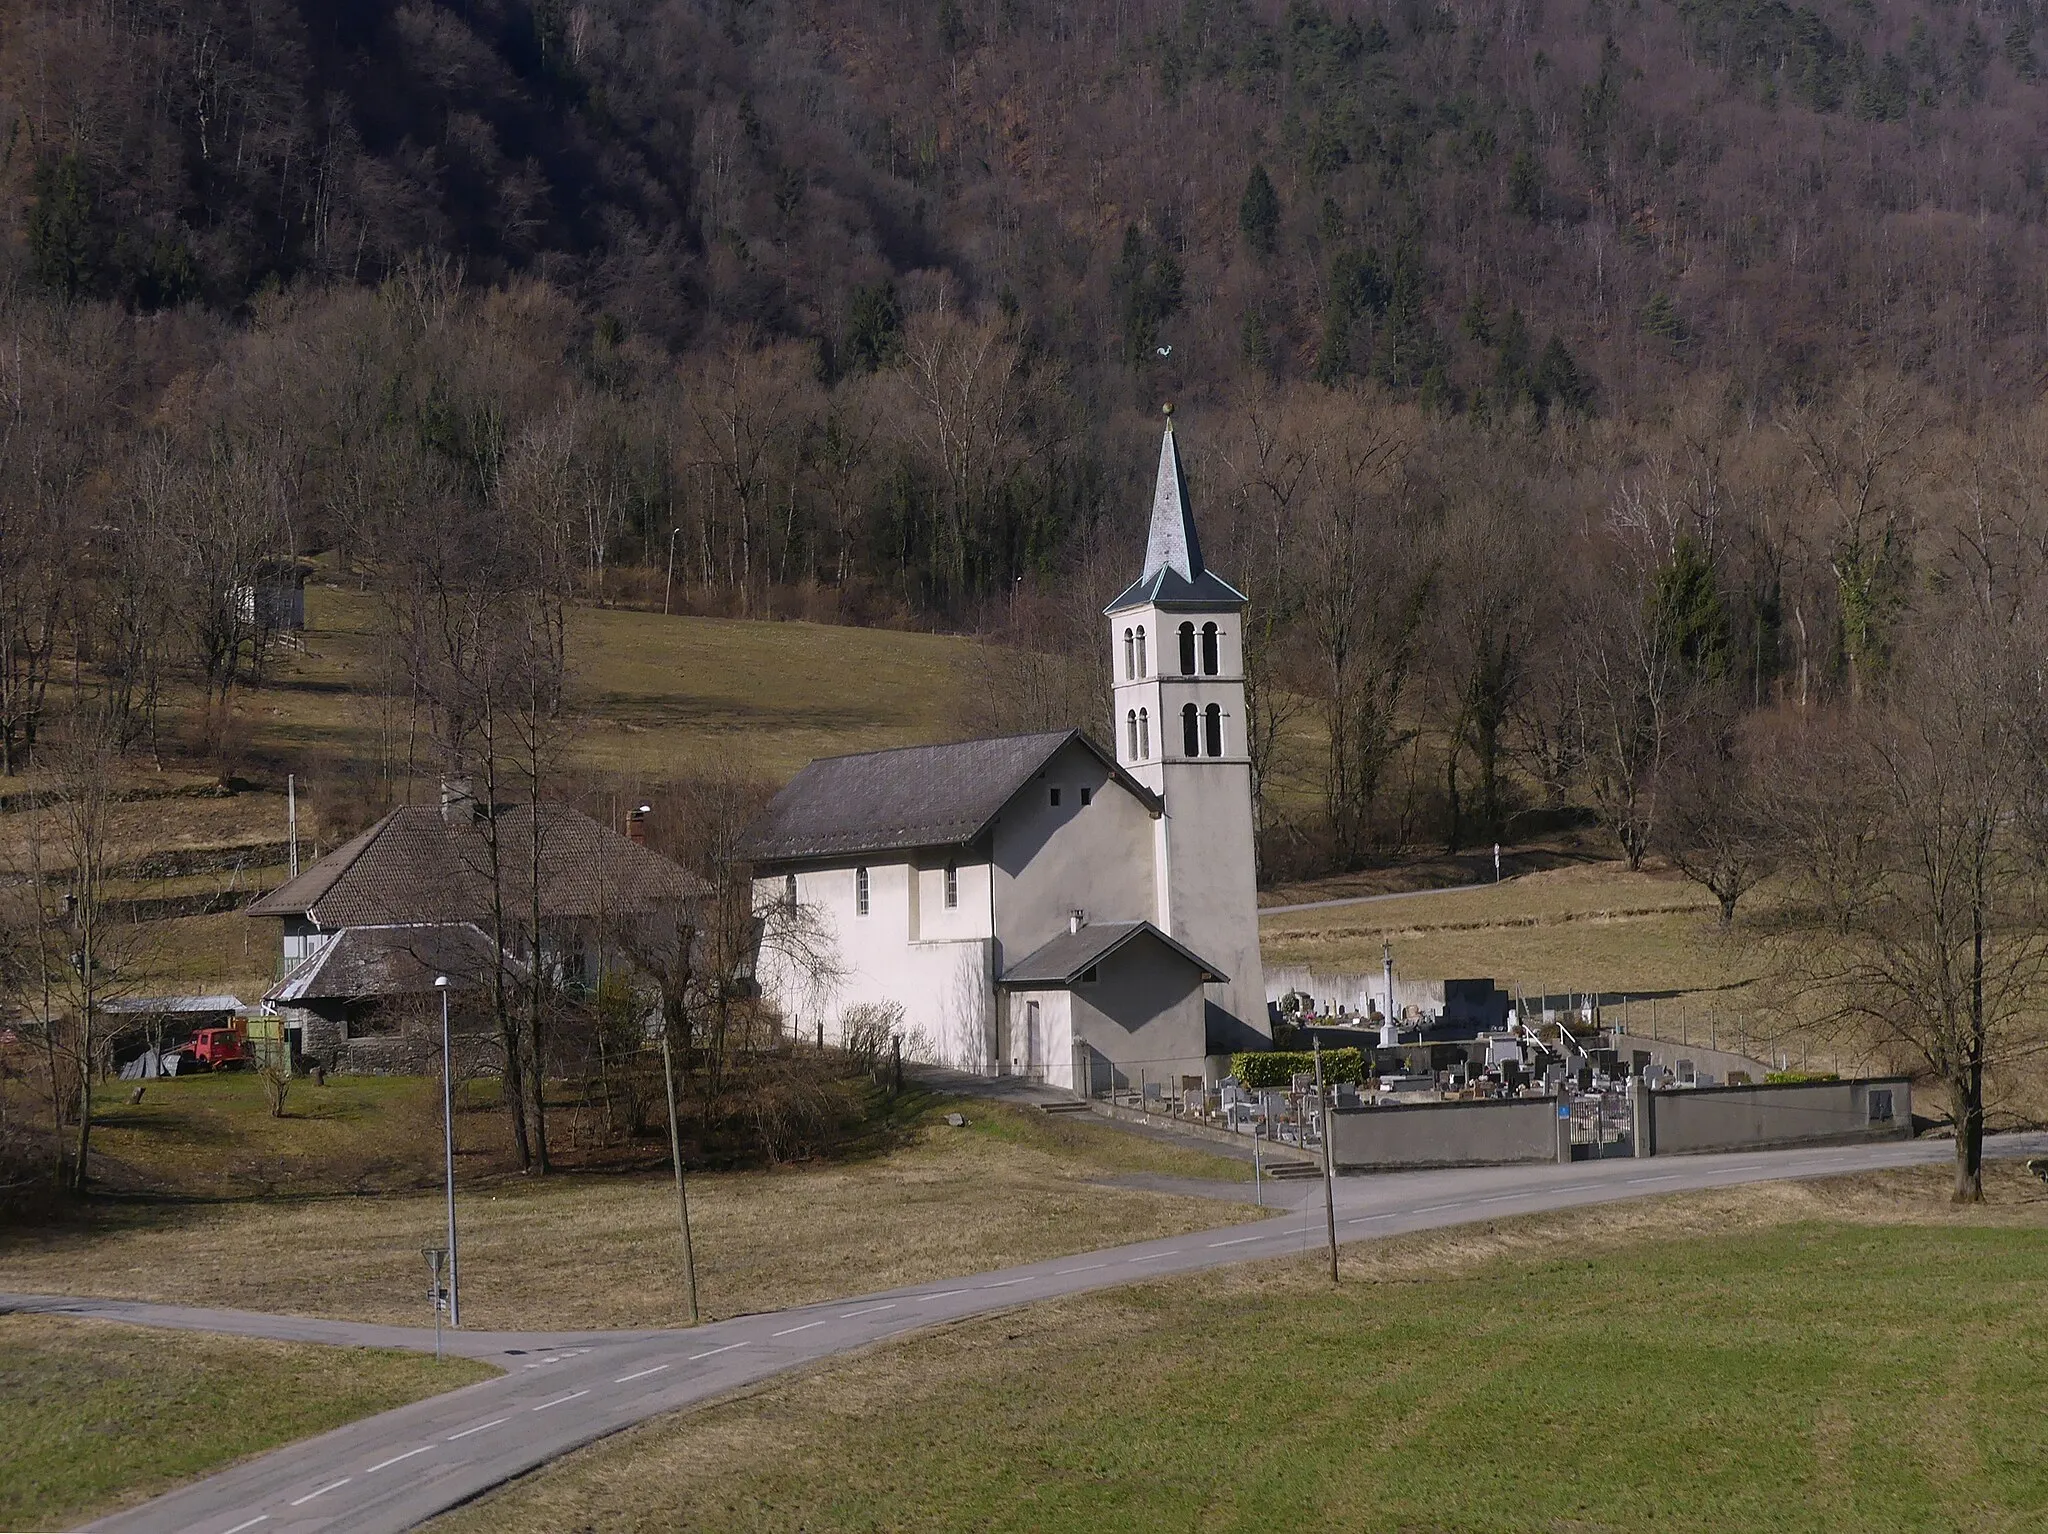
(1174, 575)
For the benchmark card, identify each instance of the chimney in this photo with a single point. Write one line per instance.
(458, 804)
(636, 825)
(1076, 920)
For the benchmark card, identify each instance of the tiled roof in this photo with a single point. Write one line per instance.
(915, 796)
(360, 962)
(1067, 957)
(1174, 575)
(415, 866)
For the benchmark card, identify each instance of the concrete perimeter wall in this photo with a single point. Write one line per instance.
(1758, 1118)
(1418, 1135)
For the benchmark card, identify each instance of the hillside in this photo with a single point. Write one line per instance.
(1442, 189)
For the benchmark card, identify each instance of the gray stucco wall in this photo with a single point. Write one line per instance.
(1445, 1134)
(1050, 860)
(1755, 1118)
(1145, 1013)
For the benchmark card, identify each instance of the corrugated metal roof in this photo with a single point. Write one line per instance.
(914, 796)
(416, 867)
(1067, 957)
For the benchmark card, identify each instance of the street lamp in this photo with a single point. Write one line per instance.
(448, 1151)
(667, 585)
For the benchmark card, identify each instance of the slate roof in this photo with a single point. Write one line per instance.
(1174, 575)
(360, 962)
(914, 796)
(416, 867)
(1067, 957)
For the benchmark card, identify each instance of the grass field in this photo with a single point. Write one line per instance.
(1848, 1357)
(570, 1251)
(659, 697)
(94, 1416)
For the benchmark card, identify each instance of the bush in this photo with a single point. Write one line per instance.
(1797, 1078)
(1278, 1067)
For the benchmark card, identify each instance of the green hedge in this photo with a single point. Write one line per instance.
(1277, 1067)
(1797, 1078)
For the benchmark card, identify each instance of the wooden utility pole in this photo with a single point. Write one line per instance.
(675, 1147)
(1329, 1161)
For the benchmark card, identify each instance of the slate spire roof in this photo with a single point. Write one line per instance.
(1174, 575)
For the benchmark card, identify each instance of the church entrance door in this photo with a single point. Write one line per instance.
(1034, 1043)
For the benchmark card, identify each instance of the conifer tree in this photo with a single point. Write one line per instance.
(1258, 212)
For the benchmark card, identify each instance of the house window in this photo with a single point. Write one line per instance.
(1087, 795)
(1144, 734)
(1209, 649)
(1187, 649)
(1141, 649)
(1130, 658)
(1214, 721)
(1053, 798)
(789, 890)
(953, 884)
(1131, 734)
(1190, 731)
(860, 892)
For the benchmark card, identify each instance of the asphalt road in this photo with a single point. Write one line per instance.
(564, 1389)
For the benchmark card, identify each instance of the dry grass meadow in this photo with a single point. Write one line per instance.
(591, 1251)
(1849, 1355)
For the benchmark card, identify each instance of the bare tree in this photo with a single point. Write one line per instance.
(1919, 901)
(1714, 828)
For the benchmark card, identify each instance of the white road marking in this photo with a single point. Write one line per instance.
(408, 1454)
(627, 1379)
(1239, 1241)
(494, 1422)
(1152, 1256)
(791, 1331)
(1361, 1219)
(323, 1491)
(1084, 1268)
(726, 1349)
(943, 1294)
(1006, 1283)
(259, 1518)
(558, 1400)
(1433, 1208)
(1667, 1177)
(1503, 1198)
(866, 1310)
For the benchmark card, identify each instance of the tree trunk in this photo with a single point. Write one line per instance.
(1967, 1099)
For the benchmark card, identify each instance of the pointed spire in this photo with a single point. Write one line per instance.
(1171, 543)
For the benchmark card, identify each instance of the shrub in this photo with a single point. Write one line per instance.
(1796, 1078)
(1278, 1067)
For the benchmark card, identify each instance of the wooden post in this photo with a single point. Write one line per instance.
(675, 1147)
(1329, 1159)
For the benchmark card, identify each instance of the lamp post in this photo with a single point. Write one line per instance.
(448, 1152)
(667, 585)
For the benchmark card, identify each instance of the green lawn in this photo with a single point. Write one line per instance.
(95, 1415)
(1808, 1375)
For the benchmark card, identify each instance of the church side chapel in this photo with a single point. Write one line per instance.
(1041, 905)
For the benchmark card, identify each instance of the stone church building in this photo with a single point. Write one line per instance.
(1039, 905)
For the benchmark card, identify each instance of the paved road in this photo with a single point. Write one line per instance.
(1324, 905)
(562, 1390)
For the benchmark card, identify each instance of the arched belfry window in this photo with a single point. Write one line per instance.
(1130, 658)
(1190, 731)
(1131, 734)
(1215, 723)
(1187, 649)
(1144, 735)
(1142, 670)
(1209, 667)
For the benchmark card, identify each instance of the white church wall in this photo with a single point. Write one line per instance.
(1053, 1045)
(1053, 859)
(1215, 882)
(968, 916)
(944, 987)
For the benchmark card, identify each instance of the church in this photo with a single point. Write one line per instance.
(1040, 905)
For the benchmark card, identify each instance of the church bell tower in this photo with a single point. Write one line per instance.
(1176, 639)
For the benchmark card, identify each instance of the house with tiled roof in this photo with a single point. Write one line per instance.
(366, 931)
(1045, 905)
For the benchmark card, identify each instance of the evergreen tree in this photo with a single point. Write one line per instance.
(65, 243)
(1525, 185)
(1556, 380)
(874, 328)
(1258, 212)
(1690, 616)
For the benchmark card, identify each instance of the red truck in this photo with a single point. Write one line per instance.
(217, 1049)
